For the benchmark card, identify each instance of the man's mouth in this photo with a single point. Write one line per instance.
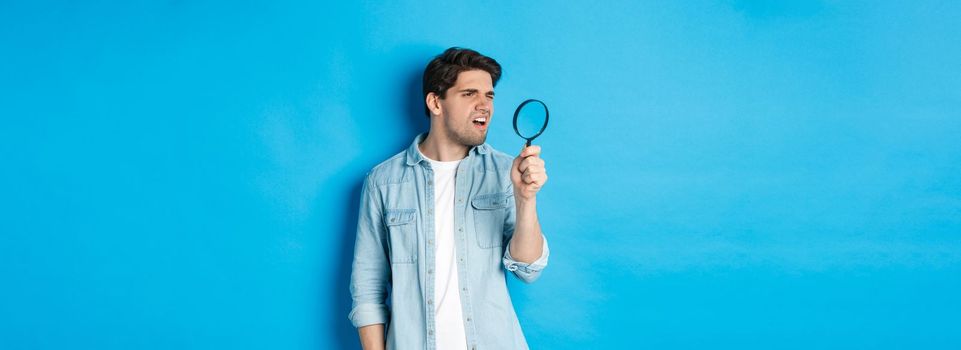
(481, 122)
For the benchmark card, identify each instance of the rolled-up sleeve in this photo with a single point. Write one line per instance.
(526, 272)
(370, 269)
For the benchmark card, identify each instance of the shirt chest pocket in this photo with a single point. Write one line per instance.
(402, 228)
(490, 213)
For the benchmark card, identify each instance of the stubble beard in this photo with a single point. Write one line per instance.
(467, 136)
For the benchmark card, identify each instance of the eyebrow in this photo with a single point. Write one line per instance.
(475, 90)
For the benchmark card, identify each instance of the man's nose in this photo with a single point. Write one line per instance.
(485, 106)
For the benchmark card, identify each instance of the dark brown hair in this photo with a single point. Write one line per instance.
(441, 73)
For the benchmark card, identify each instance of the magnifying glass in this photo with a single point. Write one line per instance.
(530, 119)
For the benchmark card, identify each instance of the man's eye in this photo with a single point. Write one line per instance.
(468, 94)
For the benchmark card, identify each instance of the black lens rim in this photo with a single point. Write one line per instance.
(547, 117)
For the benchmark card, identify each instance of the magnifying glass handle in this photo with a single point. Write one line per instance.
(528, 143)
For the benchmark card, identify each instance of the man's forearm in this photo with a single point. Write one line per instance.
(372, 337)
(527, 243)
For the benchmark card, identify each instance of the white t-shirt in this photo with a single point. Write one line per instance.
(448, 313)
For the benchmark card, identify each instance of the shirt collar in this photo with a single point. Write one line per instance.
(414, 156)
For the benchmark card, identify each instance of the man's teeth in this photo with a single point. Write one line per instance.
(480, 120)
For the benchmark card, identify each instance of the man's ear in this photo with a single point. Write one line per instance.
(433, 103)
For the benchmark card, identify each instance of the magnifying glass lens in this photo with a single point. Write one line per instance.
(530, 119)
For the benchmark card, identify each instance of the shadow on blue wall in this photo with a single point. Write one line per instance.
(412, 105)
(345, 332)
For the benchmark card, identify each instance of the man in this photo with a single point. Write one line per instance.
(442, 221)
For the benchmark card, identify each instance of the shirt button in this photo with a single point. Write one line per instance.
(460, 229)
(430, 241)
(430, 183)
(430, 302)
(430, 271)
(468, 319)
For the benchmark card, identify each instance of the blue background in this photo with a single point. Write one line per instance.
(724, 174)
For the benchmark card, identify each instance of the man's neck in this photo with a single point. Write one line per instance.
(442, 149)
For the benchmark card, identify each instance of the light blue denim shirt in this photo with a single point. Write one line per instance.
(394, 250)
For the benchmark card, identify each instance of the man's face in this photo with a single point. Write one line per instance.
(468, 107)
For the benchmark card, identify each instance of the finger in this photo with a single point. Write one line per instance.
(532, 171)
(532, 164)
(532, 150)
(534, 178)
(524, 164)
(535, 161)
